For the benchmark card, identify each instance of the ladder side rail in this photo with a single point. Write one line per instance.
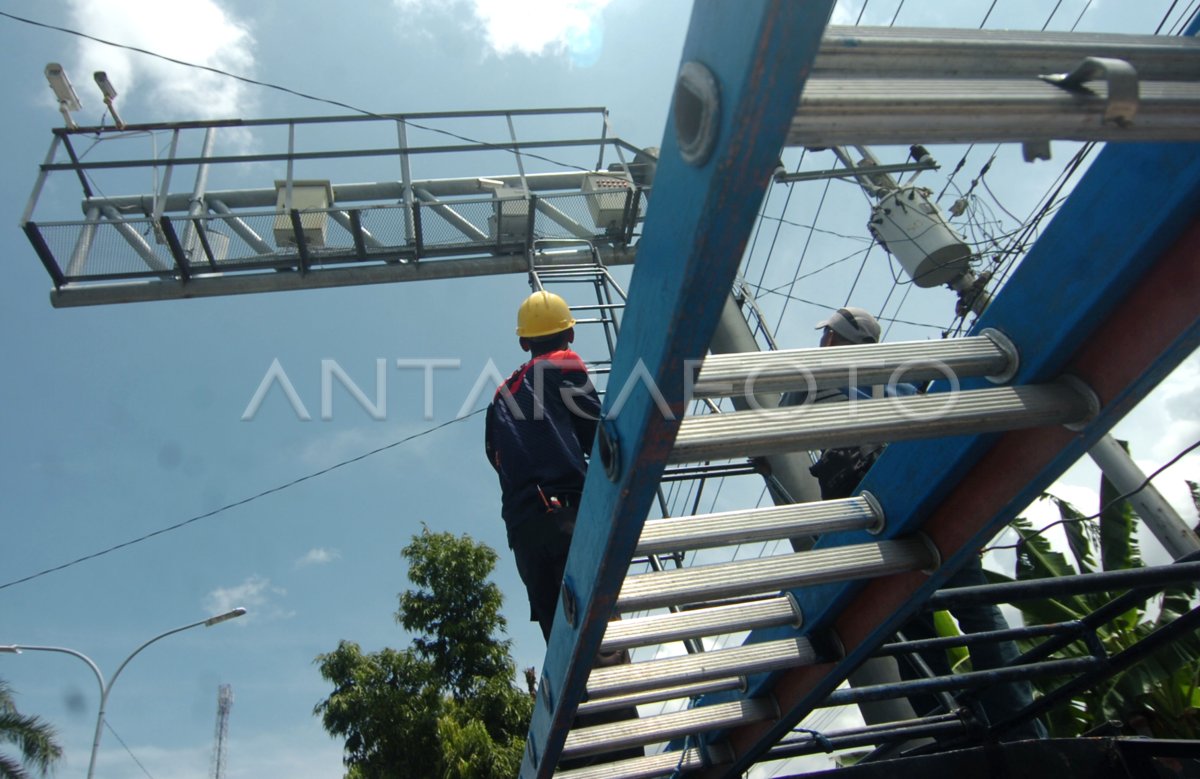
(731, 145)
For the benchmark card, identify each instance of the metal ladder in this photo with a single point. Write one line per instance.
(610, 297)
(991, 448)
(703, 594)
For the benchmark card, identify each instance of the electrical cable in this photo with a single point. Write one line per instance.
(819, 230)
(857, 276)
(803, 253)
(828, 307)
(238, 503)
(903, 299)
(127, 749)
(1186, 18)
(991, 8)
(287, 90)
(778, 226)
(861, 11)
(1166, 16)
(758, 227)
(1051, 16)
(1145, 483)
(1081, 13)
(825, 267)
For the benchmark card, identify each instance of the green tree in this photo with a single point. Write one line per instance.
(1160, 696)
(34, 739)
(445, 706)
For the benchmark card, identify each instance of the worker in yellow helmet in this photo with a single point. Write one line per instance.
(539, 432)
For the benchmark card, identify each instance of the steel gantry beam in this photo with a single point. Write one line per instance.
(743, 68)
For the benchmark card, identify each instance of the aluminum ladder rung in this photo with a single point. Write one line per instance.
(565, 268)
(727, 528)
(847, 111)
(570, 273)
(664, 727)
(742, 660)
(907, 51)
(937, 86)
(708, 471)
(661, 694)
(725, 375)
(662, 764)
(598, 307)
(772, 574)
(883, 420)
(711, 621)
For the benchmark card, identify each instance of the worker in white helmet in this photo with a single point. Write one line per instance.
(839, 472)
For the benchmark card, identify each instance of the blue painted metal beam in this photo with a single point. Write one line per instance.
(1110, 291)
(759, 54)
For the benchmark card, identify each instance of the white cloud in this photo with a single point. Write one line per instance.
(255, 594)
(318, 556)
(199, 32)
(532, 27)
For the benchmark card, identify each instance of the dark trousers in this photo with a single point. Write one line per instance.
(541, 544)
(999, 701)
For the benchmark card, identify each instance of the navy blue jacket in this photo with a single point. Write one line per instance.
(538, 433)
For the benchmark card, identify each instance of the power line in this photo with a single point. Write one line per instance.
(1166, 16)
(237, 503)
(828, 307)
(127, 749)
(1048, 18)
(286, 90)
(1080, 17)
(1146, 483)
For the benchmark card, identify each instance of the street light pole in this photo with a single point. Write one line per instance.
(105, 689)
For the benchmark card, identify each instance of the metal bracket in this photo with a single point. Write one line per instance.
(570, 607)
(936, 553)
(880, 522)
(1010, 351)
(697, 107)
(610, 450)
(796, 610)
(1122, 80)
(1090, 397)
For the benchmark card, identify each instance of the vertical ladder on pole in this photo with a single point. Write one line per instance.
(609, 296)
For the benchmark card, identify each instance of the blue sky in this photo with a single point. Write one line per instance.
(121, 420)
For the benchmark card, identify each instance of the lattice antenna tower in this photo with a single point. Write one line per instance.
(221, 735)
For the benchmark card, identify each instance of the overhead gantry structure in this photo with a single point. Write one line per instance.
(312, 231)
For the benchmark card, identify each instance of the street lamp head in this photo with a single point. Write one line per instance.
(239, 611)
(106, 87)
(12, 649)
(57, 77)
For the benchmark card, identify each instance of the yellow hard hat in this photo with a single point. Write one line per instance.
(542, 314)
